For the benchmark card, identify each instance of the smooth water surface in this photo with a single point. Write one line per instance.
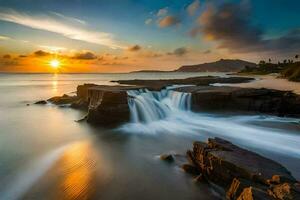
(45, 154)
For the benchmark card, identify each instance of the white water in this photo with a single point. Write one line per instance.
(168, 111)
(22, 182)
(148, 106)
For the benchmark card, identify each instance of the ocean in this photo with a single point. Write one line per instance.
(46, 154)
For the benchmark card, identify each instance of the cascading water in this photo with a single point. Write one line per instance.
(168, 111)
(149, 106)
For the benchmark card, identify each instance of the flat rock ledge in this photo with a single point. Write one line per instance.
(108, 105)
(242, 174)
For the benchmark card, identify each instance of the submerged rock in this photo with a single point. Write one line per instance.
(241, 173)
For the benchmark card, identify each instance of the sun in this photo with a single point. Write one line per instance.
(55, 63)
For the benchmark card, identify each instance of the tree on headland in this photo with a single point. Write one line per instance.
(296, 56)
(270, 60)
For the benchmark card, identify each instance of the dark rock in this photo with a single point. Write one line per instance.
(108, 105)
(210, 98)
(167, 157)
(242, 173)
(61, 100)
(191, 169)
(251, 193)
(41, 102)
(198, 81)
(200, 179)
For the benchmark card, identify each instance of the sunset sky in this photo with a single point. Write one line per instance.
(129, 35)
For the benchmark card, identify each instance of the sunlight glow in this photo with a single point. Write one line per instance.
(55, 63)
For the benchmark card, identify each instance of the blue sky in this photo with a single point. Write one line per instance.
(161, 28)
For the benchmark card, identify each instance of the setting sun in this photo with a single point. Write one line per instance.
(55, 64)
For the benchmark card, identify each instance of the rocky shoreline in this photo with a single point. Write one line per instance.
(238, 173)
(108, 105)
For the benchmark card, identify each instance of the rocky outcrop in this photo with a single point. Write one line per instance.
(197, 81)
(41, 102)
(108, 105)
(210, 98)
(63, 100)
(241, 173)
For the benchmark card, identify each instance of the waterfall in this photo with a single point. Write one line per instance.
(148, 106)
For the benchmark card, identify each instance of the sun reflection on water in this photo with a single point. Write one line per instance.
(54, 83)
(77, 171)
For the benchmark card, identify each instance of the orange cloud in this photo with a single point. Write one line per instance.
(168, 21)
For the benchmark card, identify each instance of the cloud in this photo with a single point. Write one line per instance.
(179, 51)
(195, 31)
(148, 21)
(162, 12)
(47, 23)
(230, 26)
(4, 37)
(41, 53)
(85, 56)
(168, 21)
(193, 7)
(134, 48)
(52, 48)
(7, 56)
(72, 19)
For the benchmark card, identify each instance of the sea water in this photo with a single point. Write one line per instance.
(45, 154)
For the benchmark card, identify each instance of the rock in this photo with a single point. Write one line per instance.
(108, 105)
(191, 169)
(41, 102)
(243, 174)
(210, 98)
(200, 179)
(61, 100)
(82, 91)
(80, 104)
(251, 193)
(167, 157)
(198, 81)
(284, 191)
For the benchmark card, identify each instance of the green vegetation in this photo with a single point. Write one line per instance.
(287, 69)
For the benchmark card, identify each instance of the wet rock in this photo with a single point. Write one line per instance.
(241, 173)
(198, 81)
(200, 179)
(251, 193)
(167, 157)
(191, 169)
(42, 102)
(210, 98)
(108, 105)
(61, 100)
